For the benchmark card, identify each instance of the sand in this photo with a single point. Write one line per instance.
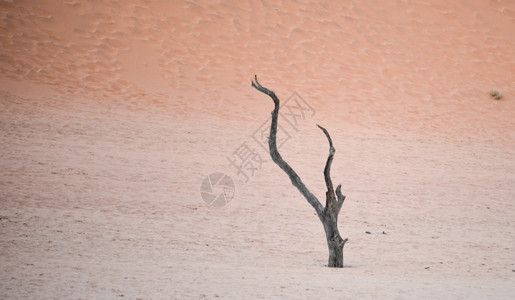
(113, 113)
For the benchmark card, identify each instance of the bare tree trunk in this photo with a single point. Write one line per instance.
(335, 242)
(328, 215)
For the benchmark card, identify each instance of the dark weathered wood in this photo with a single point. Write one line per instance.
(328, 215)
(276, 157)
(333, 205)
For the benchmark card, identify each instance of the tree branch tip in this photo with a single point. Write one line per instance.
(325, 132)
(256, 80)
(255, 83)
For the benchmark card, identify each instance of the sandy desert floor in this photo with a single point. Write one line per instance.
(113, 113)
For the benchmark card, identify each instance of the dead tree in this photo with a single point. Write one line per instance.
(328, 215)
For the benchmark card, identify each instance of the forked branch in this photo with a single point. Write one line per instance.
(334, 199)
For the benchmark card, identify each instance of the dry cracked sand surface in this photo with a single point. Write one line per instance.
(113, 113)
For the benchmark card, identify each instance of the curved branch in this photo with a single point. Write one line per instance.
(276, 157)
(327, 169)
(332, 203)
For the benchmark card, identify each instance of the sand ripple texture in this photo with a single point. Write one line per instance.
(112, 113)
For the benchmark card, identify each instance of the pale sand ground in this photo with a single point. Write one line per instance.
(113, 112)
